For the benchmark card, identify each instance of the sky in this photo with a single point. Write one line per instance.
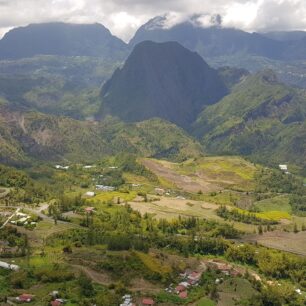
(124, 17)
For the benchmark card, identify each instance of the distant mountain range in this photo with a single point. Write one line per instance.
(162, 80)
(215, 41)
(80, 73)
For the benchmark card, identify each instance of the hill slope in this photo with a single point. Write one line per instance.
(261, 118)
(26, 136)
(61, 39)
(161, 80)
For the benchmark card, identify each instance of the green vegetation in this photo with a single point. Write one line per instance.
(250, 122)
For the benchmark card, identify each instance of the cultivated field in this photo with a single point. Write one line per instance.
(207, 174)
(285, 241)
(170, 208)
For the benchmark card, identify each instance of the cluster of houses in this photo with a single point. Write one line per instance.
(223, 267)
(28, 298)
(127, 300)
(22, 219)
(189, 279)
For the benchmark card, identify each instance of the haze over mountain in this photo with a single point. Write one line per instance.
(61, 39)
(162, 80)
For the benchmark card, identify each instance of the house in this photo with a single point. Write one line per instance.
(180, 288)
(105, 188)
(56, 303)
(283, 167)
(194, 277)
(183, 295)
(89, 167)
(147, 302)
(25, 298)
(8, 266)
(90, 194)
(59, 167)
(159, 191)
(89, 209)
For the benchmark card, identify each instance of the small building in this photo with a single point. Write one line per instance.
(89, 166)
(8, 266)
(25, 298)
(194, 277)
(147, 302)
(105, 188)
(59, 167)
(56, 303)
(89, 209)
(183, 295)
(90, 194)
(180, 288)
(283, 167)
(159, 191)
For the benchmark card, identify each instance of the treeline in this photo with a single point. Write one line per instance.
(271, 263)
(276, 181)
(247, 217)
(26, 190)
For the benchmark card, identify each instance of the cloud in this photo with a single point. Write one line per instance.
(123, 17)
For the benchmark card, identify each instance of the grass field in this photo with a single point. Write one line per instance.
(205, 302)
(279, 203)
(234, 289)
(171, 208)
(281, 240)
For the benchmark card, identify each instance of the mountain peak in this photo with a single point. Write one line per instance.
(58, 38)
(162, 80)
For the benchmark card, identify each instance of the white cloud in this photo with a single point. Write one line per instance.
(123, 17)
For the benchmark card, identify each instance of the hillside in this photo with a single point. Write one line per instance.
(161, 80)
(26, 136)
(261, 118)
(61, 39)
(59, 85)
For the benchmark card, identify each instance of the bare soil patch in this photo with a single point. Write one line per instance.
(187, 183)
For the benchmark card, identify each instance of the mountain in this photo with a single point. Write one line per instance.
(28, 136)
(61, 39)
(210, 41)
(162, 80)
(284, 52)
(262, 118)
(286, 35)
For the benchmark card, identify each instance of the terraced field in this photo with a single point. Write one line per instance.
(207, 174)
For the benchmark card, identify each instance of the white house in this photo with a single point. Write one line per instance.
(8, 266)
(283, 167)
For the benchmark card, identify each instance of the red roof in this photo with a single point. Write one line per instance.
(25, 297)
(180, 288)
(56, 303)
(183, 295)
(89, 209)
(147, 301)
